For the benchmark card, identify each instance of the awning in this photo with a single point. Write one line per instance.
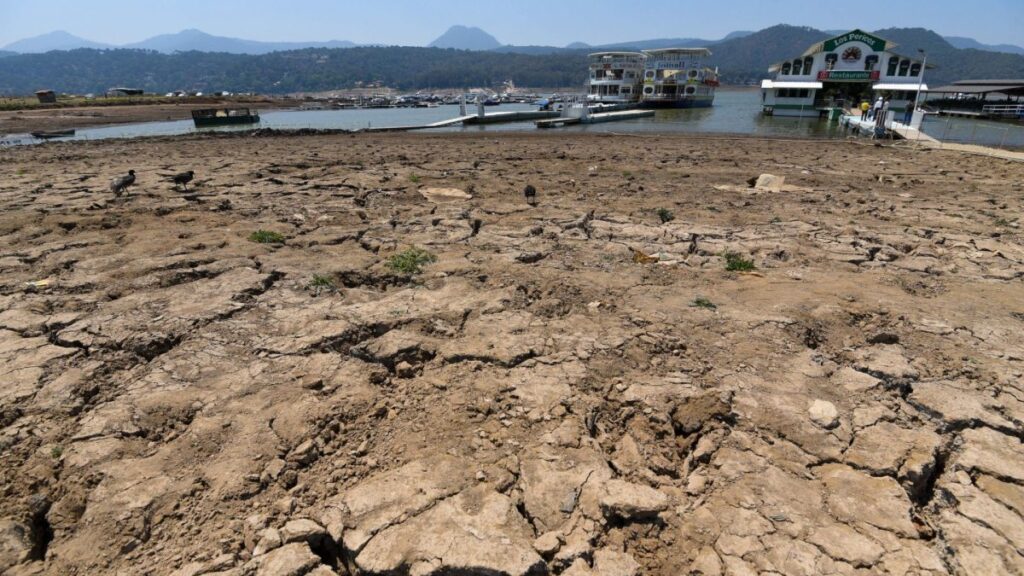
(908, 87)
(770, 84)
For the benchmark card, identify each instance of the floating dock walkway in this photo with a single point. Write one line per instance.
(595, 118)
(473, 119)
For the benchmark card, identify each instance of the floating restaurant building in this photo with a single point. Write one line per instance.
(842, 72)
(666, 78)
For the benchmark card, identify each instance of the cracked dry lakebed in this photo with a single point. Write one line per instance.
(658, 368)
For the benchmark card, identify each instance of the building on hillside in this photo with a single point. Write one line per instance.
(842, 72)
(46, 96)
(121, 91)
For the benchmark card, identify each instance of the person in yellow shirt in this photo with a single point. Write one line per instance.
(864, 107)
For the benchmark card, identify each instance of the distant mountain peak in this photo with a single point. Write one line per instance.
(56, 40)
(465, 38)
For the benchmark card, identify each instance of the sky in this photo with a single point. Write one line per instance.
(520, 22)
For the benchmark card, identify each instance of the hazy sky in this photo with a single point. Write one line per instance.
(551, 22)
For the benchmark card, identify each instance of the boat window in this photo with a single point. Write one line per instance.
(870, 62)
(808, 64)
(649, 74)
(693, 73)
(798, 65)
(894, 63)
(785, 69)
(904, 67)
(625, 90)
(830, 60)
(691, 90)
(649, 90)
(915, 69)
(804, 93)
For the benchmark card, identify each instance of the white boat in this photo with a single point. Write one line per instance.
(615, 77)
(678, 78)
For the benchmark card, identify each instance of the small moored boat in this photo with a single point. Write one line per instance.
(47, 134)
(224, 116)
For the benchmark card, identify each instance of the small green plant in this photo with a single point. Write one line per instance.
(702, 302)
(737, 263)
(665, 215)
(321, 284)
(410, 261)
(414, 179)
(266, 237)
(775, 220)
(57, 451)
(1003, 222)
(627, 174)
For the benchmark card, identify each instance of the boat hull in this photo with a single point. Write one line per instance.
(227, 120)
(678, 104)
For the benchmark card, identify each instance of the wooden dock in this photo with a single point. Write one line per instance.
(597, 118)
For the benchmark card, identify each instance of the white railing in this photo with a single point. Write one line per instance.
(1005, 110)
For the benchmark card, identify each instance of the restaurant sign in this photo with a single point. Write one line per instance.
(876, 43)
(847, 76)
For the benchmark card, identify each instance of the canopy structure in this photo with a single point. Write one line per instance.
(900, 87)
(1008, 87)
(772, 84)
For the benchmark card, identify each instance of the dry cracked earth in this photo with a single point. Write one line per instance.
(541, 399)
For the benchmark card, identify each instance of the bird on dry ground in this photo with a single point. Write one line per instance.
(120, 184)
(182, 178)
(531, 195)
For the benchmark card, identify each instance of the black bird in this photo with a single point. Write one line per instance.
(120, 184)
(183, 178)
(531, 195)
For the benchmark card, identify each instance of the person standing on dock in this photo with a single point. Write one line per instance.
(864, 109)
(908, 114)
(876, 109)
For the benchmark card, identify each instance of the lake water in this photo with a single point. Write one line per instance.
(735, 111)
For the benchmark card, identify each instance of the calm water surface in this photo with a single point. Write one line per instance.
(735, 112)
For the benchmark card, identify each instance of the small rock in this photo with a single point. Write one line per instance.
(632, 501)
(285, 505)
(302, 530)
(548, 543)
(824, 414)
(305, 453)
(291, 560)
(270, 539)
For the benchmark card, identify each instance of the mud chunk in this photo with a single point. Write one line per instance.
(548, 543)
(302, 530)
(15, 543)
(693, 413)
(632, 501)
(478, 531)
(611, 563)
(291, 560)
(824, 414)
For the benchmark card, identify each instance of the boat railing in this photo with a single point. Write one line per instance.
(1004, 110)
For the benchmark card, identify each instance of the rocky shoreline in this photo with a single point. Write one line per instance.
(666, 366)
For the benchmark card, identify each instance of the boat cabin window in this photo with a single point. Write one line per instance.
(648, 90)
(798, 65)
(625, 90)
(904, 67)
(830, 60)
(894, 63)
(808, 64)
(870, 63)
(785, 69)
(691, 89)
(792, 93)
(915, 69)
(693, 73)
(649, 74)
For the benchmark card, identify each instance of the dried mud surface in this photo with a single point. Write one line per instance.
(178, 399)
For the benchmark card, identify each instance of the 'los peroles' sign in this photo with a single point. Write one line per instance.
(876, 43)
(841, 75)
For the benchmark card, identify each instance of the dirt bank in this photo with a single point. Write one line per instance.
(25, 121)
(580, 387)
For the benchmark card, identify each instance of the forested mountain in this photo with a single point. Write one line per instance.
(742, 60)
(83, 71)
